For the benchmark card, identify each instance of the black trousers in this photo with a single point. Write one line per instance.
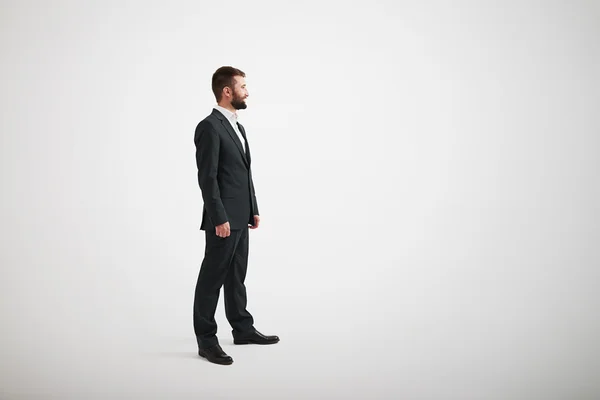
(224, 265)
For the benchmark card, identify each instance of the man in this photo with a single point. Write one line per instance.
(230, 208)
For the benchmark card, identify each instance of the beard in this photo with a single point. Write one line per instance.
(238, 103)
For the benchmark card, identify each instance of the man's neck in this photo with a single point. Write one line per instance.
(228, 106)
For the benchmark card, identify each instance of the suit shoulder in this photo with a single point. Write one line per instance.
(208, 124)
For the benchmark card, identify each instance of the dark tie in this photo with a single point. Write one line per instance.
(244, 136)
(245, 141)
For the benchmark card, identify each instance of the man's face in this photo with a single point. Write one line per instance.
(240, 93)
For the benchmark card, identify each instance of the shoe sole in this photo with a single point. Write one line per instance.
(251, 342)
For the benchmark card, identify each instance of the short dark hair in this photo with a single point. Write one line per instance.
(223, 77)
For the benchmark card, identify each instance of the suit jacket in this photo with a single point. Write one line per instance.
(224, 174)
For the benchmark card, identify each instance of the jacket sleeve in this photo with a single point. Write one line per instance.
(207, 160)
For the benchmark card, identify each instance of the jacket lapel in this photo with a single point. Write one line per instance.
(227, 125)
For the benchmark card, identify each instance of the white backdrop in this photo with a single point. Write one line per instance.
(427, 175)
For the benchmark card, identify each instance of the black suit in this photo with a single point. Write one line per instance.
(225, 180)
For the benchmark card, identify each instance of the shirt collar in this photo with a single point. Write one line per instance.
(228, 114)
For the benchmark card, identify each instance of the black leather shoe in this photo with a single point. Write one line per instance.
(215, 354)
(255, 338)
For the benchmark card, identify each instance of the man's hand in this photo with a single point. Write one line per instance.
(256, 222)
(223, 230)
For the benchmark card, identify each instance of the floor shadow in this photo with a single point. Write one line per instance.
(171, 354)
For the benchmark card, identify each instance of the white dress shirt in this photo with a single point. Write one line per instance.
(232, 118)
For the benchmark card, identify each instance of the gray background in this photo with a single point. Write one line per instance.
(427, 174)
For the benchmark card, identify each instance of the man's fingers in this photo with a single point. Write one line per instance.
(223, 230)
